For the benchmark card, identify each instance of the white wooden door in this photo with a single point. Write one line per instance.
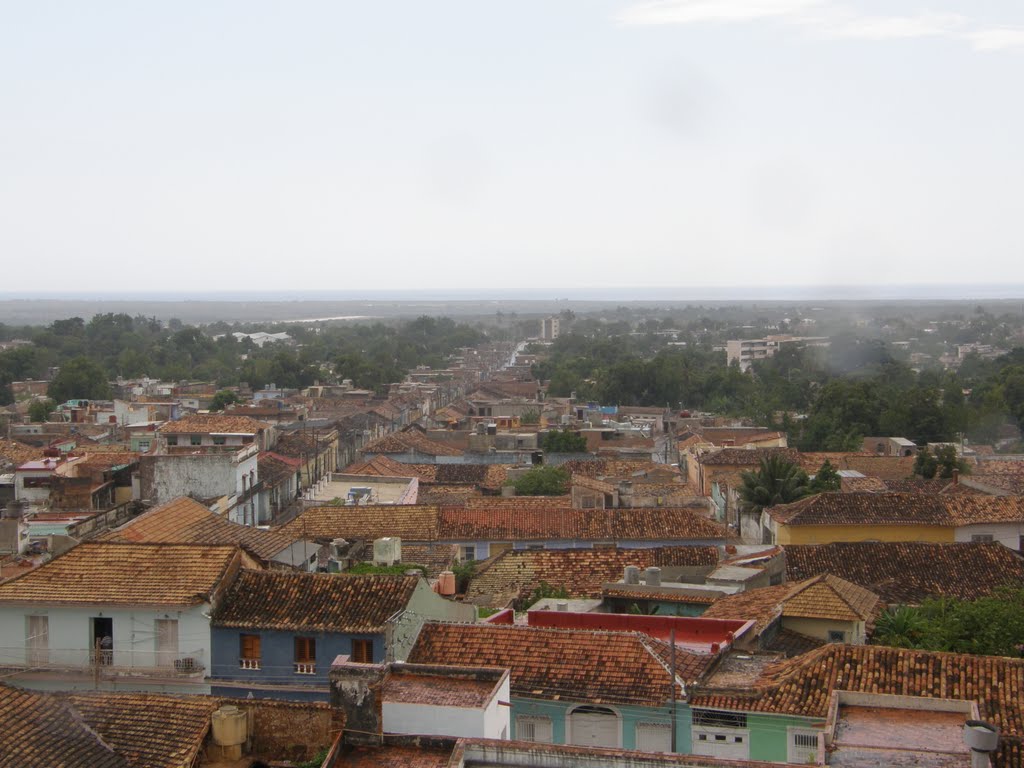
(37, 637)
(166, 642)
(592, 727)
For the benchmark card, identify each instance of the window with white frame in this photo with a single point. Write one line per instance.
(533, 728)
(467, 552)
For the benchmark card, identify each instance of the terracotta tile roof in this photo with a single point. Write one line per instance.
(820, 597)
(515, 574)
(592, 484)
(863, 484)
(829, 597)
(496, 519)
(431, 493)
(620, 468)
(439, 690)
(101, 462)
(792, 643)
(207, 424)
(18, 453)
(40, 729)
(1003, 475)
(108, 573)
(272, 470)
(899, 509)
(571, 665)
(383, 466)
(671, 494)
(665, 594)
(413, 522)
(410, 442)
(15, 567)
(301, 444)
(917, 485)
(185, 521)
(520, 502)
(746, 457)
(149, 730)
(803, 685)
(533, 522)
(910, 572)
(313, 602)
(762, 606)
(885, 467)
(393, 756)
(737, 435)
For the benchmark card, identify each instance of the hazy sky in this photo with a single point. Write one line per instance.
(471, 143)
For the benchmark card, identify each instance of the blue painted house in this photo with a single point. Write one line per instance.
(276, 633)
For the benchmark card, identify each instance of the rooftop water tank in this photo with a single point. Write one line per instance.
(229, 726)
(446, 583)
(387, 551)
(631, 575)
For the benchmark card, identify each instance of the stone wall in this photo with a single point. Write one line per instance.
(282, 730)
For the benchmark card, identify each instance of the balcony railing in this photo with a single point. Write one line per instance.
(305, 668)
(249, 663)
(113, 661)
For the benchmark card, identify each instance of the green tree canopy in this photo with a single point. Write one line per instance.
(40, 410)
(777, 481)
(826, 479)
(564, 441)
(991, 625)
(222, 399)
(939, 464)
(542, 481)
(79, 378)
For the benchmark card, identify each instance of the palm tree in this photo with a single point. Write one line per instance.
(902, 627)
(777, 481)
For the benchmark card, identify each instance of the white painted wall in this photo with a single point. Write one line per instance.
(432, 720)
(1007, 534)
(31, 495)
(491, 722)
(498, 715)
(135, 644)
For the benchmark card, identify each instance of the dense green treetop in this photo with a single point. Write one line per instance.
(564, 441)
(542, 481)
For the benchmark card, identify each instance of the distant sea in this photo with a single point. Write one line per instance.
(873, 292)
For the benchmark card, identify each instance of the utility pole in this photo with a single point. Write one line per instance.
(672, 672)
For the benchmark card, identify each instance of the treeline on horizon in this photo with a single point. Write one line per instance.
(825, 399)
(110, 345)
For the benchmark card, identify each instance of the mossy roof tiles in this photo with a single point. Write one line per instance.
(185, 521)
(111, 573)
(899, 509)
(910, 572)
(313, 602)
(570, 665)
(515, 574)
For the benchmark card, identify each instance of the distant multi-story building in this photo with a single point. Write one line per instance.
(746, 351)
(549, 328)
